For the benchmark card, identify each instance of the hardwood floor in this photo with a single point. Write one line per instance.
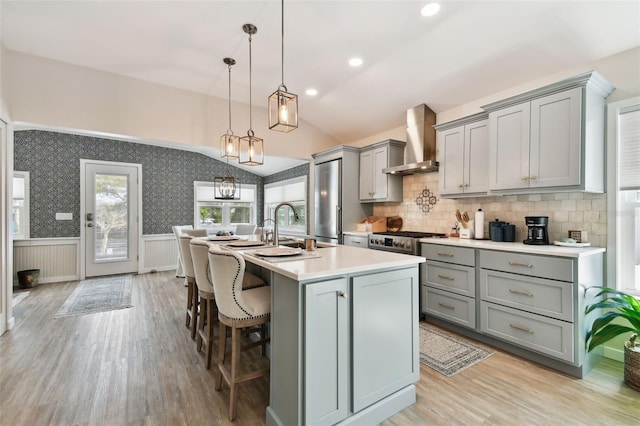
(139, 366)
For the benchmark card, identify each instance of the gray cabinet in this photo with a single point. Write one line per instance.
(356, 240)
(448, 284)
(464, 156)
(537, 302)
(529, 304)
(327, 351)
(550, 139)
(376, 186)
(343, 349)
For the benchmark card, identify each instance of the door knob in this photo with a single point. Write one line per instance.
(89, 225)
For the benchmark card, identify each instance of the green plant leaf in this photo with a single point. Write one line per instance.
(607, 333)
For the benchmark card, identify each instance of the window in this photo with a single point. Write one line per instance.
(220, 215)
(291, 190)
(623, 197)
(20, 206)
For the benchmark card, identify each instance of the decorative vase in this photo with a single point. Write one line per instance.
(632, 365)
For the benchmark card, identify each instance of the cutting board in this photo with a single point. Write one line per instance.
(394, 223)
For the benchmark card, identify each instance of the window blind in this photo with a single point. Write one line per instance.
(290, 190)
(629, 148)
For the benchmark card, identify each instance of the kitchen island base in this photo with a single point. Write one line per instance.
(344, 350)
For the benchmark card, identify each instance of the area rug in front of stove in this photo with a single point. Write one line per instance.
(446, 353)
(98, 295)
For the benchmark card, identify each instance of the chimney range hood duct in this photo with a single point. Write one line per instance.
(420, 151)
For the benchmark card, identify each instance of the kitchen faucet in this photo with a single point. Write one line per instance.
(264, 236)
(296, 217)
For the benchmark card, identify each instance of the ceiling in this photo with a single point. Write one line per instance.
(469, 50)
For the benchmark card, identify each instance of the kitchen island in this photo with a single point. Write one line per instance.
(344, 335)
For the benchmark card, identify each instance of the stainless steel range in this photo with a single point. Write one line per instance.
(400, 242)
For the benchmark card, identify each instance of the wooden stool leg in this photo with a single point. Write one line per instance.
(221, 349)
(194, 316)
(189, 303)
(235, 363)
(211, 313)
(202, 321)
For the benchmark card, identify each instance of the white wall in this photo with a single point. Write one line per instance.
(61, 95)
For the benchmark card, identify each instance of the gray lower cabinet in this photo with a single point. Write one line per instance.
(327, 351)
(344, 350)
(529, 304)
(448, 284)
(356, 240)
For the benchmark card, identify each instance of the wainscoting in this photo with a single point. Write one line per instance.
(59, 258)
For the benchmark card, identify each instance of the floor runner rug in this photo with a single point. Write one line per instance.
(446, 353)
(98, 295)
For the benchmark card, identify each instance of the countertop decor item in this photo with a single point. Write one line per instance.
(625, 309)
(394, 223)
(426, 200)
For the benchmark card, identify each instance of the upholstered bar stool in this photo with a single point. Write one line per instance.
(237, 309)
(192, 288)
(177, 230)
(208, 313)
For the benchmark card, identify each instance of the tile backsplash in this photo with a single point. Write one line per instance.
(566, 210)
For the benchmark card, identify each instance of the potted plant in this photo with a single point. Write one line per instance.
(617, 304)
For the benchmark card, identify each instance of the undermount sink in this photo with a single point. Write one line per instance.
(294, 244)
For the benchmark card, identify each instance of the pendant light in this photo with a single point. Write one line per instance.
(230, 143)
(283, 106)
(226, 187)
(251, 147)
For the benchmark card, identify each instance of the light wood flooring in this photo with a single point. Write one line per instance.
(138, 366)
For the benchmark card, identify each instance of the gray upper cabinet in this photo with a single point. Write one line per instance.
(540, 141)
(464, 156)
(376, 186)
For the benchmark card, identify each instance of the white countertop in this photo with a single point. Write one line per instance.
(334, 261)
(518, 247)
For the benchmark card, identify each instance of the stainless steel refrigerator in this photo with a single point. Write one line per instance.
(337, 205)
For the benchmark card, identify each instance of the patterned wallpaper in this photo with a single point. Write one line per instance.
(53, 160)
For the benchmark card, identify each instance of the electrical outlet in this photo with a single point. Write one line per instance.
(64, 216)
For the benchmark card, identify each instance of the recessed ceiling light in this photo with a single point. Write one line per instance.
(355, 62)
(430, 9)
(311, 92)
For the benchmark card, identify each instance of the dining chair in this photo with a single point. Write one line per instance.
(177, 230)
(238, 309)
(192, 286)
(245, 229)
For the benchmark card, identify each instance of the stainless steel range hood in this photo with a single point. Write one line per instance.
(420, 151)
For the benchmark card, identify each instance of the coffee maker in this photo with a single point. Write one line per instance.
(537, 230)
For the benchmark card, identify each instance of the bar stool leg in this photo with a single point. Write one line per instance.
(235, 363)
(222, 347)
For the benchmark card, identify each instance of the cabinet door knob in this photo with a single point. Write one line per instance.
(461, 185)
(344, 295)
(532, 177)
(525, 178)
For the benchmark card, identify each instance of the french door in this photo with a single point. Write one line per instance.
(110, 211)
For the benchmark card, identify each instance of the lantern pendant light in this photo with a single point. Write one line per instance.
(251, 147)
(283, 106)
(226, 187)
(230, 143)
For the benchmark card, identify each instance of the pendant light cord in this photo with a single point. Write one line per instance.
(282, 55)
(250, 116)
(229, 131)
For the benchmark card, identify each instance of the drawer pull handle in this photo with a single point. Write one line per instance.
(446, 305)
(525, 293)
(527, 265)
(517, 327)
(440, 253)
(446, 277)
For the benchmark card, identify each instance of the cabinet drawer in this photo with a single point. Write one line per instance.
(528, 264)
(356, 241)
(448, 306)
(455, 278)
(459, 255)
(545, 335)
(536, 295)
